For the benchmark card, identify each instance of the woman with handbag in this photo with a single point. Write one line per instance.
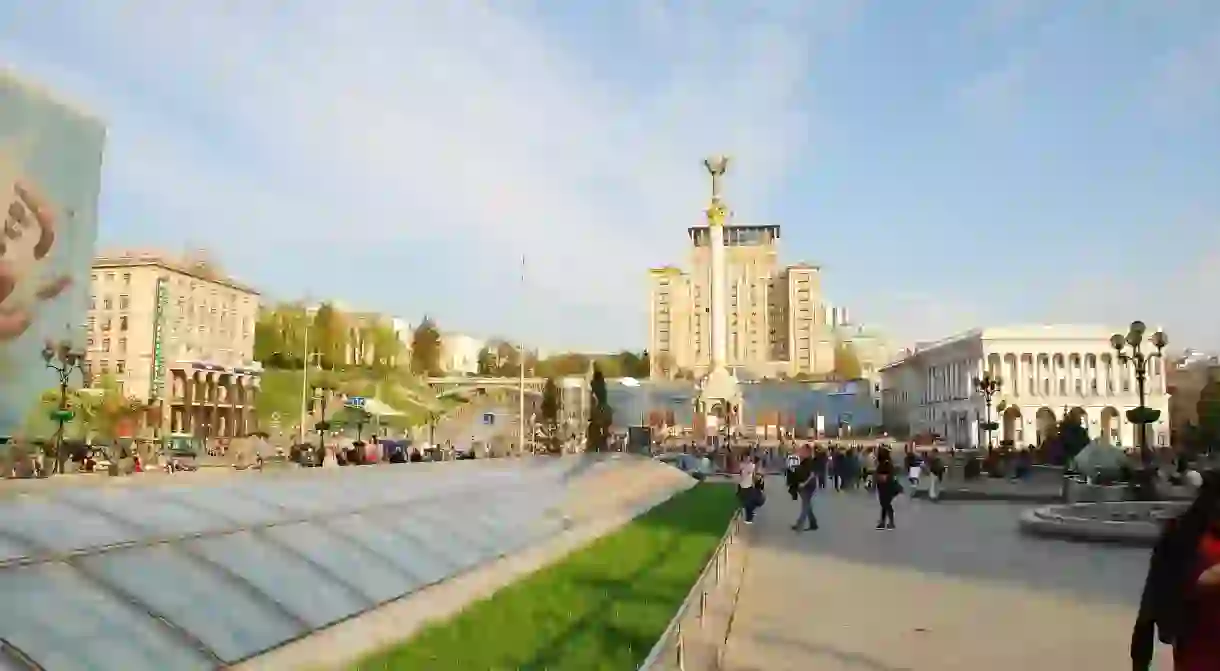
(749, 488)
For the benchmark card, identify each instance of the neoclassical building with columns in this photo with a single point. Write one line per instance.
(1048, 372)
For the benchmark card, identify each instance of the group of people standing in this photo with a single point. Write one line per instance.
(809, 470)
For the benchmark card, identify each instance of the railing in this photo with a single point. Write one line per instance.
(696, 636)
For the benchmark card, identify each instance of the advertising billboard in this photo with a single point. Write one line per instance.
(50, 176)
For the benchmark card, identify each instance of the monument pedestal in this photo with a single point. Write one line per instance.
(720, 397)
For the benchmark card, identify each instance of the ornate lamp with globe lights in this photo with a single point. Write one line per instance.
(63, 358)
(1130, 349)
(989, 386)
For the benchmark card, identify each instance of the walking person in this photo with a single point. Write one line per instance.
(749, 491)
(936, 469)
(805, 483)
(1181, 599)
(888, 488)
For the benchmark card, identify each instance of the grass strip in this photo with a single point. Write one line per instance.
(600, 608)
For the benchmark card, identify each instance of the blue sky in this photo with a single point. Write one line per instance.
(950, 164)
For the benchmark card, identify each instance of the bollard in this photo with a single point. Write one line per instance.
(681, 652)
(702, 605)
(716, 559)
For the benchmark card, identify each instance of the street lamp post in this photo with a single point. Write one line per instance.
(62, 358)
(1130, 350)
(322, 426)
(988, 386)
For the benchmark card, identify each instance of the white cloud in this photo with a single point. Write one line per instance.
(453, 131)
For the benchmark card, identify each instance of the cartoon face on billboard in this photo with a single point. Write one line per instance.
(26, 239)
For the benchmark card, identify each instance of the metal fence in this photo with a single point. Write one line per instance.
(696, 636)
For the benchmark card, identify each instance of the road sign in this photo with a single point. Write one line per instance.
(489, 418)
(355, 401)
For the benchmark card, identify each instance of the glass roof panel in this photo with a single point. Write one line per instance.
(459, 550)
(59, 527)
(323, 496)
(375, 577)
(311, 595)
(232, 619)
(229, 502)
(405, 552)
(63, 621)
(161, 516)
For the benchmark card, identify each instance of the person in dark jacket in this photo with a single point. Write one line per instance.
(888, 488)
(804, 484)
(1181, 598)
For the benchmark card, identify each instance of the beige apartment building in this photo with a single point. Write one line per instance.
(179, 334)
(778, 322)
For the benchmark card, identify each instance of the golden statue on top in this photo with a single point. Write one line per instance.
(717, 213)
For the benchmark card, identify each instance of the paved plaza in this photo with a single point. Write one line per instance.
(954, 587)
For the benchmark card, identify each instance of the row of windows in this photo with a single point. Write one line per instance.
(228, 296)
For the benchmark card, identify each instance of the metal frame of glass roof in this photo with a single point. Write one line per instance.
(206, 575)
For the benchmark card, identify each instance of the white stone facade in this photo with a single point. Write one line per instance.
(1047, 372)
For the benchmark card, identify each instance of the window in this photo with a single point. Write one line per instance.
(106, 324)
(92, 323)
(120, 366)
(127, 279)
(122, 344)
(107, 304)
(105, 346)
(124, 302)
(93, 302)
(123, 323)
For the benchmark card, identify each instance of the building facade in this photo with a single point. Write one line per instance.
(1187, 375)
(177, 333)
(1049, 372)
(779, 323)
(460, 354)
(50, 178)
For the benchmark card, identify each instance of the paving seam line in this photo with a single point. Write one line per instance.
(741, 581)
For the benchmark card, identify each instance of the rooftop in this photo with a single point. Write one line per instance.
(197, 268)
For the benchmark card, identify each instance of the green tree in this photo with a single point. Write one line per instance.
(386, 347)
(631, 364)
(847, 362)
(329, 337)
(1072, 437)
(550, 416)
(1208, 410)
(426, 348)
(601, 415)
(487, 365)
(269, 347)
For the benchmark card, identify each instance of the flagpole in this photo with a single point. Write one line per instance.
(521, 374)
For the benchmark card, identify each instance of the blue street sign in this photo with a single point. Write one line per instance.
(489, 418)
(355, 401)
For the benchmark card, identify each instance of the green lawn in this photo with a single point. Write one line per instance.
(600, 608)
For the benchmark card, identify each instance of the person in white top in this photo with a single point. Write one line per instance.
(748, 490)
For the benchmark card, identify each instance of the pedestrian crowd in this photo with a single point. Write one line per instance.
(810, 468)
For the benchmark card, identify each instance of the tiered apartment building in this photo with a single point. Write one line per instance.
(179, 334)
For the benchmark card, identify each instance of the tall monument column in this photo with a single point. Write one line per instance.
(716, 215)
(719, 393)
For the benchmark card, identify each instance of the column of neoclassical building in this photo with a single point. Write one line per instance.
(213, 401)
(1048, 373)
